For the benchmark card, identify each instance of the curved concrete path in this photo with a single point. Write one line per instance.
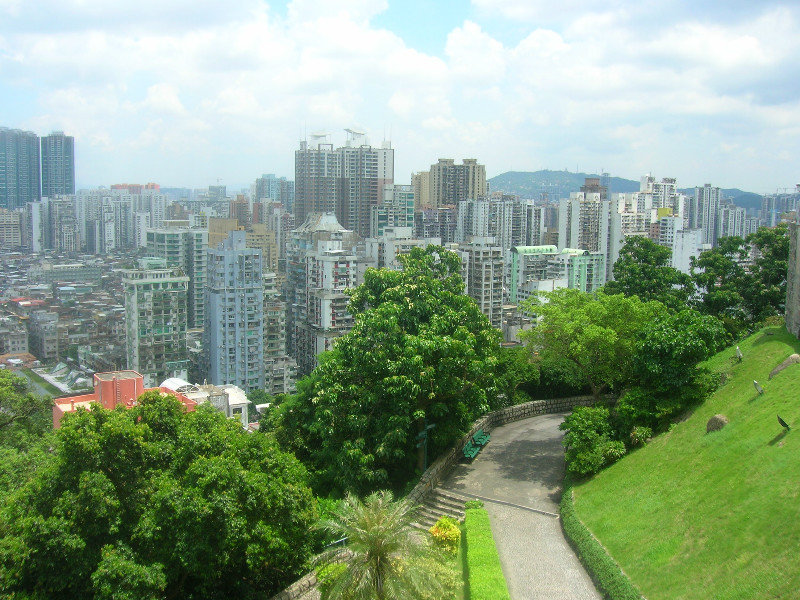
(518, 474)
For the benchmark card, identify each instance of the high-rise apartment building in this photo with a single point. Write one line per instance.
(395, 210)
(501, 217)
(451, 183)
(775, 207)
(233, 336)
(436, 223)
(484, 269)
(19, 168)
(280, 370)
(537, 269)
(421, 182)
(269, 188)
(707, 200)
(320, 266)
(155, 320)
(347, 181)
(587, 222)
(383, 251)
(257, 235)
(11, 227)
(62, 231)
(534, 224)
(58, 164)
(184, 248)
(316, 166)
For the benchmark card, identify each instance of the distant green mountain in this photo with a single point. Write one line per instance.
(560, 184)
(739, 197)
(551, 184)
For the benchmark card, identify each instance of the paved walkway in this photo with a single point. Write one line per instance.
(522, 468)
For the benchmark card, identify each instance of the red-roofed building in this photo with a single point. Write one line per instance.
(112, 390)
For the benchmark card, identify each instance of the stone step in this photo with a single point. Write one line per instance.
(446, 508)
(452, 496)
(436, 500)
(431, 514)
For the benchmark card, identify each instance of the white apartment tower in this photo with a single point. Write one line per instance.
(320, 266)
(484, 268)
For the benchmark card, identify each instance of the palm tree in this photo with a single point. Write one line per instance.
(384, 558)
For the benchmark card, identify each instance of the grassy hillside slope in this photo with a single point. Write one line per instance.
(698, 516)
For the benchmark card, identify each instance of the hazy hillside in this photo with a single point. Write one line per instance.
(556, 184)
(559, 184)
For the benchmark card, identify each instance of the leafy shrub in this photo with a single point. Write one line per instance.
(589, 445)
(484, 573)
(446, 575)
(606, 574)
(446, 534)
(774, 321)
(640, 435)
(473, 504)
(327, 575)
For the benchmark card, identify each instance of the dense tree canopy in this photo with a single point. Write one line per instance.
(643, 269)
(765, 295)
(420, 353)
(598, 333)
(744, 281)
(23, 415)
(667, 379)
(155, 503)
(721, 278)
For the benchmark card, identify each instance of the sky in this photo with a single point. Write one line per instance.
(193, 93)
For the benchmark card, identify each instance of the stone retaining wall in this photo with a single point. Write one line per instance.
(442, 466)
(298, 589)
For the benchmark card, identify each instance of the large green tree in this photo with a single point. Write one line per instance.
(24, 416)
(765, 293)
(667, 376)
(597, 333)
(721, 278)
(420, 354)
(643, 269)
(156, 503)
(744, 281)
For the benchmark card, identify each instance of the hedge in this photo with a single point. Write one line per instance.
(484, 574)
(607, 575)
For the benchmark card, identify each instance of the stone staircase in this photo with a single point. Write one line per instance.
(440, 503)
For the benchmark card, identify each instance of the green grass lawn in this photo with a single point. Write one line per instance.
(43, 383)
(712, 516)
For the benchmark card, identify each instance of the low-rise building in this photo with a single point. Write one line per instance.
(118, 388)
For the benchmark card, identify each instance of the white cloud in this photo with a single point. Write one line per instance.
(608, 87)
(475, 57)
(543, 11)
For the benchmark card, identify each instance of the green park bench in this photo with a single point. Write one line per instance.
(471, 450)
(481, 437)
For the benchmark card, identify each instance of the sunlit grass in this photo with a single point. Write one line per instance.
(696, 515)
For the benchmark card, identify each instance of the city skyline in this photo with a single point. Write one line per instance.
(188, 94)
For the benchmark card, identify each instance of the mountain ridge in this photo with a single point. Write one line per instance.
(559, 184)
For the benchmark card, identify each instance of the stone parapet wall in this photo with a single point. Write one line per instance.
(298, 589)
(444, 464)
